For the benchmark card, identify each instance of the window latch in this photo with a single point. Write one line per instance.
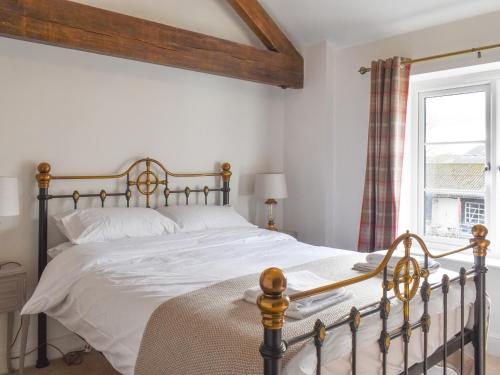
(487, 167)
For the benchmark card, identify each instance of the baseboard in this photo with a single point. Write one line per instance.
(493, 347)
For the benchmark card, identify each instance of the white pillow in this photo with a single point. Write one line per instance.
(191, 218)
(56, 250)
(105, 224)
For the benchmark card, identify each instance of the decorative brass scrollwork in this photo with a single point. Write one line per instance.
(148, 179)
(407, 272)
(147, 182)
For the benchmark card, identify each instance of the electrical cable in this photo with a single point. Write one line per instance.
(17, 334)
(72, 358)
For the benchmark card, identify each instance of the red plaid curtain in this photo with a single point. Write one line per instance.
(388, 100)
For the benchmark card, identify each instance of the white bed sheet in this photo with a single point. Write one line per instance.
(107, 291)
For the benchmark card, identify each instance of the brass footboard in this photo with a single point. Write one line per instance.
(405, 284)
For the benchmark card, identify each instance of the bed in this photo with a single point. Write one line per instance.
(172, 304)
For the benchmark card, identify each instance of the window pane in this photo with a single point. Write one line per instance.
(452, 215)
(455, 118)
(457, 167)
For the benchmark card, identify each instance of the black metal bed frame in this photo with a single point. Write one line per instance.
(147, 183)
(274, 302)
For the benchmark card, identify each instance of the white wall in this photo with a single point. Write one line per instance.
(308, 152)
(343, 139)
(92, 114)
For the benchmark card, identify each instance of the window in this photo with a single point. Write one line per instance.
(474, 213)
(454, 146)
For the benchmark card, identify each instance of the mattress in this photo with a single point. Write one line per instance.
(106, 292)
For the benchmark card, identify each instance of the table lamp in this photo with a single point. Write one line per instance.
(270, 186)
(9, 196)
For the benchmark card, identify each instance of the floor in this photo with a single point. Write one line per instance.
(95, 364)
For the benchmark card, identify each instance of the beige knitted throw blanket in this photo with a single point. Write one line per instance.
(212, 331)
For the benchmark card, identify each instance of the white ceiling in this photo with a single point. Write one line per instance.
(349, 22)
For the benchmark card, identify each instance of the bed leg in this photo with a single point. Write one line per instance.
(480, 249)
(273, 304)
(43, 178)
(42, 360)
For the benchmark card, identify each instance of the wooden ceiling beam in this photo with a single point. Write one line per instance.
(72, 25)
(259, 21)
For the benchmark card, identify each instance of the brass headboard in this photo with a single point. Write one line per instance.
(147, 182)
(146, 175)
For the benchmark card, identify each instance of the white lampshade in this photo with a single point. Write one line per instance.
(271, 185)
(9, 196)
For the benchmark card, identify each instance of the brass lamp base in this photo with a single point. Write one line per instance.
(271, 226)
(270, 221)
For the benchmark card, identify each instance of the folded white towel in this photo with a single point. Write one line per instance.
(368, 267)
(302, 309)
(301, 281)
(297, 282)
(377, 257)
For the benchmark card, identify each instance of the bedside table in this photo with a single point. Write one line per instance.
(12, 298)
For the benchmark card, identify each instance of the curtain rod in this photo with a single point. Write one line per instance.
(364, 69)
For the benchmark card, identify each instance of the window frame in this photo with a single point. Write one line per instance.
(487, 83)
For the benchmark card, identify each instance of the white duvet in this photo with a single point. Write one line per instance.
(107, 291)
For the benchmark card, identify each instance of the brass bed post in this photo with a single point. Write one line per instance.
(481, 244)
(273, 304)
(226, 177)
(43, 178)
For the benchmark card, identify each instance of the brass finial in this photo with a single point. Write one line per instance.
(320, 332)
(43, 176)
(407, 242)
(479, 232)
(355, 319)
(226, 172)
(273, 303)
(384, 342)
